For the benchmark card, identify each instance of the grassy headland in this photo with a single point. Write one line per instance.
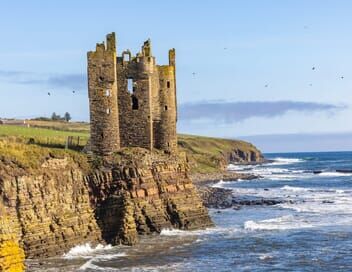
(48, 138)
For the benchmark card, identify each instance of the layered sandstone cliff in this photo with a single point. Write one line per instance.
(60, 204)
(143, 193)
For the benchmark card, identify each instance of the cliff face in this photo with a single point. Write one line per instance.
(59, 206)
(250, 155)
(211, 155)
(144, 193)
(52, 207)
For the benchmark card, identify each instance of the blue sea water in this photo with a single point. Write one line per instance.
(312, 231)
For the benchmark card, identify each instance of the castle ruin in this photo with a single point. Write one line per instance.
(132, 99)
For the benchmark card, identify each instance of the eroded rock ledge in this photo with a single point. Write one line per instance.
(61, 205)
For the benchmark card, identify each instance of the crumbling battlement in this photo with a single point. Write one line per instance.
(132, 99)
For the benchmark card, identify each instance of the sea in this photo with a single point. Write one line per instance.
(311, 230)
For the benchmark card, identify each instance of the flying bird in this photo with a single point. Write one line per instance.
(49, 93)
(266, 85)
(311, 84)
(73, 91)
(313, 68)
(193, 73)
(225, 48)
(342, 77)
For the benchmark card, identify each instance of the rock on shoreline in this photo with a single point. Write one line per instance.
(209, 178)
(222, 198)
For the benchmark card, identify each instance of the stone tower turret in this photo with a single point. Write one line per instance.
(166, 136)
(103, 92)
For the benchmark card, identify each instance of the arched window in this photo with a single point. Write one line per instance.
(168, 84)
(165, 107)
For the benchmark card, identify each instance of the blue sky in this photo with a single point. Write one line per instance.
(252, 60)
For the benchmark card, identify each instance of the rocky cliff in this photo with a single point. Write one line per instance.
(244, 155)
(60, 204)
(144, 193)
(211, 155)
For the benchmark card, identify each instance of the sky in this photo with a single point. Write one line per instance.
(248, 69)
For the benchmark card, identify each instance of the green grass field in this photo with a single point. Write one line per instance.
(205, 154)
(44, 136)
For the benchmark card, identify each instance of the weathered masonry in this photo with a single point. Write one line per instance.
(132, 99)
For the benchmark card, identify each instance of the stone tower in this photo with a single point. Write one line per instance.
(103, 93)
(132, 99)
(165, 131)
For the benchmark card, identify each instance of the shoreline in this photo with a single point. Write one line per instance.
(201, 180)
(222, 198)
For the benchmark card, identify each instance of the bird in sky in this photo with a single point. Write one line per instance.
(266, 85)
(49, 93)
(342, 77)
(73, 91)
(313, 68)
(225, 48)
(193, 73)
(311, 84)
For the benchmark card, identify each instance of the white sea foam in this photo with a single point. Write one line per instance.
(334, 174)
(86, 251)
(312, 206)
(220, 184)
(89, 265)
(295, 189)
(203, 233)
(239, 167)
(265, 257)
(283, 161)
(280, 223)
(270, 172)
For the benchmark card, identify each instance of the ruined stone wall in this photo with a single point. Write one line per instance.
(103, 93)
(135, 110)
(153, 123)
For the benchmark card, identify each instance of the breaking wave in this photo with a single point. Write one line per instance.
(295, 189)
(86, 251)
(334, 174)
(280, 223)
(203, 233)
(283, 161)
